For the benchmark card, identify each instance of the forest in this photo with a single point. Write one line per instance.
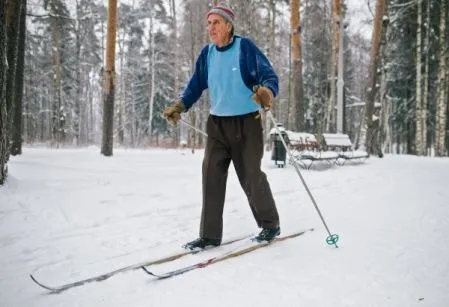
(76, 73)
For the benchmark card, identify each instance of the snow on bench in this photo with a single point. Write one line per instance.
(343, 145)
(302, 140)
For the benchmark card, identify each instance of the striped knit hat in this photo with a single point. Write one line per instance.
(224, 10)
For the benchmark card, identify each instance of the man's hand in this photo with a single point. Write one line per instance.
(263, 96)
(173, 113)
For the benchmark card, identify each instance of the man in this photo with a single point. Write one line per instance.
(237, 75)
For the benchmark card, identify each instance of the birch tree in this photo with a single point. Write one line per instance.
(384, 136)
(176, 55)
(425, 94)
(109, 82)
(336, 19)
(270, 53)
(420, 146)
(441, 110)
(152, 83)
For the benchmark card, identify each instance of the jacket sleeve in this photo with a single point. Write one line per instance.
(257, 69)
(198, 82)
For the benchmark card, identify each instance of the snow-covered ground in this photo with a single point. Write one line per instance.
(68, 214)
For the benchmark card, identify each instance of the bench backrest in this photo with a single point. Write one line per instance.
(301, 137)
(334, 140)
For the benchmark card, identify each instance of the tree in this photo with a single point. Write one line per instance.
(16, 133)
(297, 110)
(12, 30)
(109, 82)
(336, 19)
(420, 145)
(425, 95)
(316, 49)
(367, 128)
(58, 17)
(441, 111)
(4, 150)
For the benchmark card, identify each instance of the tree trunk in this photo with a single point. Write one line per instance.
(4, 152)
(174, 29)
(297, 113)
(294, 36)
(109, 82)
(420, 146)
(17, 131)
(175, 44)
(12, 30)
(441, 96)
(152, 83)
(383, 137)
(425, 95)
(271, 47)
(336, 18)
(122, 93)
(58, 116)
(78, 90)
(366, 133)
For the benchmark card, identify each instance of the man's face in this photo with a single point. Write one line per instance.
(219, 30)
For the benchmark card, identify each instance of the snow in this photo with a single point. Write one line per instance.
(71, 213)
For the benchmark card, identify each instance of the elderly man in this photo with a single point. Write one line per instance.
(238, 76)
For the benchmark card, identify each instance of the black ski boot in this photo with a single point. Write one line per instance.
(202, 243)
(268, 234)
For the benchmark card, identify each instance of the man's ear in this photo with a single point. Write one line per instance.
(229, 27)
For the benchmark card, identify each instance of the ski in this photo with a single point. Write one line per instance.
(225, 256)
(104, 276)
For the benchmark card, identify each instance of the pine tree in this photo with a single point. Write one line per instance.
(109, 82)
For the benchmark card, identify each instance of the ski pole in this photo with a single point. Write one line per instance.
(332, 239)
(193, 127)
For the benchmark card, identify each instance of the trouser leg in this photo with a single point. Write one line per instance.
(246, 154)
(215, 173)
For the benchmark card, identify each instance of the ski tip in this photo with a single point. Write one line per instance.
(35, 280)
(50, 289)
(38, 283)
(149, 272)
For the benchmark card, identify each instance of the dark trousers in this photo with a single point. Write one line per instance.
(238, 139)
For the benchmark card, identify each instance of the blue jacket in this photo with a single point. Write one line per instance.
(254, 66)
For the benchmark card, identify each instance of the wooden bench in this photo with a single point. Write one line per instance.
(302, 140)
(306, 149)
(341, 143)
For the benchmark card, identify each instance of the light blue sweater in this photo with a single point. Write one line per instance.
(229, 96)
(232, 68)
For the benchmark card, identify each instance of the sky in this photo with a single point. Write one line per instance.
(67, 214)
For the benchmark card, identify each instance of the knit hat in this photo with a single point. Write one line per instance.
(224, 10)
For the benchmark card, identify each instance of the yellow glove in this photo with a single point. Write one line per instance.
(173, 113)
(263, 96)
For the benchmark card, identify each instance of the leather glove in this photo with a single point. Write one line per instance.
(263, 96)
(173, 113)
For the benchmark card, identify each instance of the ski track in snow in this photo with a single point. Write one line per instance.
(72, 213)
